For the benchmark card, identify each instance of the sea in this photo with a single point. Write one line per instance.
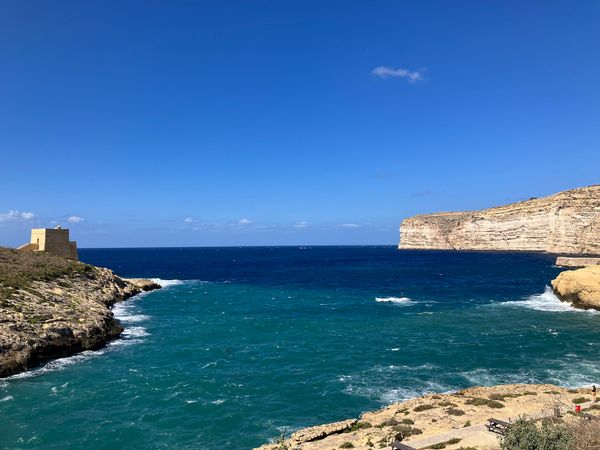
(245, 344)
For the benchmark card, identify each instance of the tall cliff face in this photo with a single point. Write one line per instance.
(567, 222)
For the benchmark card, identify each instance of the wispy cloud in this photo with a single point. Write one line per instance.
(189, 220)
(14, 215)
(412, 76)
(245, 222)
(349, 225)
(75, 219)
(301, 224)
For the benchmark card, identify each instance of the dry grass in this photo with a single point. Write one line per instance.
(19, 269)
(586, 434)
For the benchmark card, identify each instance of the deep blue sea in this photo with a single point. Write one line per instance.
(244, 344)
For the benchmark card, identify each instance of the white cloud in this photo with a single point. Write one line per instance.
(13, 215)
(301, 224)
(245, 221)
(389, 72)
(75, 219)
(189, 220)
(349, 225)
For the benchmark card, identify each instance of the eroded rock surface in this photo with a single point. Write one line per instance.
(567, 222)
(52, 307)
(580, 287)
(433, 416)
(571, 261)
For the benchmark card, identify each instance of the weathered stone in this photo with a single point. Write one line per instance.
(567, 222)
(322, 431)
(38, 324)
(571, 261)
(581, 287)
(143, 283)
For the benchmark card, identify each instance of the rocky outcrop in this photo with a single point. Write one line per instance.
(51, 307)
(322, 431)
(567, 222)
(580, 287)
(571, 261)
(432, 420)
(143, 284)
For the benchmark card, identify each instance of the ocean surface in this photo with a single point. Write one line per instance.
(244, 344)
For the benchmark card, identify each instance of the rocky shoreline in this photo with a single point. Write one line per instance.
(452, 421)
(51, 307)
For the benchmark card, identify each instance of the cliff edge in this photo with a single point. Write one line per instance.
(567, 222)
(452, 420)
(52, 307)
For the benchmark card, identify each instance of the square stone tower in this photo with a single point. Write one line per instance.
(52, 240)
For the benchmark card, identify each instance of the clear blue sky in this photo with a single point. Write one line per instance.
(158, 123)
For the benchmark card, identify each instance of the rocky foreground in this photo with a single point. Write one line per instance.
(567, 222)
(451, 421)
(52, 307)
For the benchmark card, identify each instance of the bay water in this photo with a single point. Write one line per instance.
(245, 344)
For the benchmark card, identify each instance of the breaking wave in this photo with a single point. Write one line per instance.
(167, 283)
(395, 300)
(547, 301)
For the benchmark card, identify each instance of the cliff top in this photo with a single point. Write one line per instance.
(19, 269)
(582, 192)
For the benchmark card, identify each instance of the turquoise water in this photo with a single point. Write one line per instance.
(247, 343)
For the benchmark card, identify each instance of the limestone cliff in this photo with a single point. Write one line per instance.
(52, 307)
(567, 222)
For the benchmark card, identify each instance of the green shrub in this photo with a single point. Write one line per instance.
(358, 426)
(408, 421)
(424, 407)
(447, 403)
(580, 400)
(527, 435)
(347, 445)
(490, 403)
(388, 423)
(455, 412)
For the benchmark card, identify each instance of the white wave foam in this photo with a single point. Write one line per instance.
(398, 395)
(395, 300)
(134, 332)
(166, 283)
(58, 364)
(134, 318)
(547, 301)
(485, 377)
(6, 399)
(129, 336)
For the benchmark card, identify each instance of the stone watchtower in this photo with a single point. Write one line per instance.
(52, 240)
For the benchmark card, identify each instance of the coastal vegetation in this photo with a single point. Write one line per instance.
(52, 307)
(19, 270)
(577, 433)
